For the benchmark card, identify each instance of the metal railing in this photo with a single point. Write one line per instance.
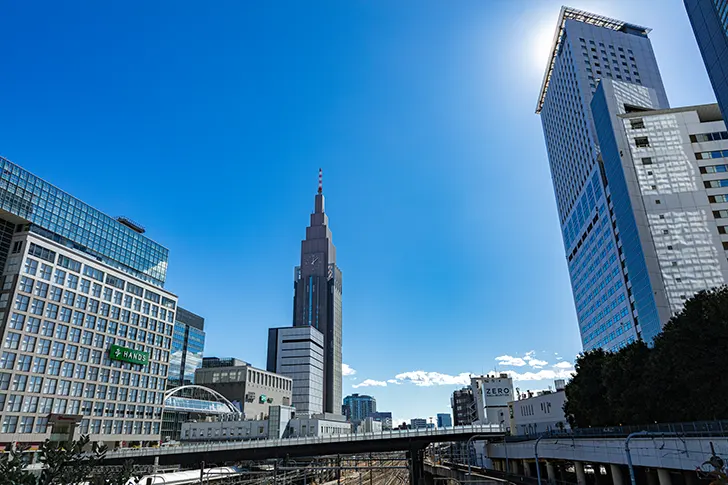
(220, 445)
(697, 428)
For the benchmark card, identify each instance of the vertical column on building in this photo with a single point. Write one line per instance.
(580, 475)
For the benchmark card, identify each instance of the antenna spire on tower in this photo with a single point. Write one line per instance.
(321, 182)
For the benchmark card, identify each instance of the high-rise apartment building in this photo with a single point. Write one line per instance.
(709, 19)
(86, 324)
(357, 407)
(317, 302)
(667, 171)
(608, 284)
(298, 353)
(188, 345)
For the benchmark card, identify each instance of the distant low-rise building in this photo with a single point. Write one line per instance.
(369, 425)
(418, 423)
(281, 423)
(539, 413)
(444, 420)
(384, 417)
(253, 390)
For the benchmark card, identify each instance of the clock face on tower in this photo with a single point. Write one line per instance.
(313, 262)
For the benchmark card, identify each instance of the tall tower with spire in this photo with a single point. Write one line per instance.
(317, 298)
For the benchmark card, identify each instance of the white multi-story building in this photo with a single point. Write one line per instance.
(298, 353)
(86, 325)
(538, 414)
(670, 171)
(491, 395)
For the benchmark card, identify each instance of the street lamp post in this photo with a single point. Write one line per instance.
(535, 452)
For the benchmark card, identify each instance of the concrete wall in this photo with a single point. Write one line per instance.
(675, 453)
(538, 414)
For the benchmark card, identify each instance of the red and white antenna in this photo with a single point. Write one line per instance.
(321, 181)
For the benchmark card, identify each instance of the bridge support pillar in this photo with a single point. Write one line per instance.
(651, 476)
(417, 466)
(526, 468)
(551, 471)
(663, 474)
(691, 477)
(580, 475)
(598, 479)
(617, 476)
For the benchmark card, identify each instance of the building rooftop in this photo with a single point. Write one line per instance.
(57, 215)
(568, 13)
(706, 112)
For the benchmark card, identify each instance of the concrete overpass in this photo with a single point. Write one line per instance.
(412, 441)
(664, 459)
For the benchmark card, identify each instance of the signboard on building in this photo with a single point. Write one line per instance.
(124, 354)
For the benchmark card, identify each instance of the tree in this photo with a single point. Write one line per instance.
(628, 392)
(12, 468)
(689, 361)
(585, 394)
(681, 378)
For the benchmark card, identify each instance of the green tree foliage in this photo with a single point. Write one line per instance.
(680, 378)
(63, 464)
(12, 469)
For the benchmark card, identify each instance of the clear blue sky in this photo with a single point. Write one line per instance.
(207, 122)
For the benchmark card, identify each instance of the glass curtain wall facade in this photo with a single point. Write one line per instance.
(56, 215)
(188, 345)
(586, 49)
(357, 407)
(709, 19)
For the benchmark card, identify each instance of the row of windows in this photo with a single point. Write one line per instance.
(714, 184)
(42, 365)
(32, 267)
(54, 387)
(703, 137)
(711, 154)
(32, 424)
(714, 169)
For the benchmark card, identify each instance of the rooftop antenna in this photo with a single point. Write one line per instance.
(321, 182)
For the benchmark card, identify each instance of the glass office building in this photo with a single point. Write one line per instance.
(188, 345)
(86, 325)
(586, 49)
(709, 19)
(56, 215)
(358, 407)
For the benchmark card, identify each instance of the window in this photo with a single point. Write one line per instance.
(21, 303)
(24, 362)
(45, 272)
(10, 423)
(42, 253)
(7, 360)
(69, 263)
(31, 266)
(26, 284)
(642, 142)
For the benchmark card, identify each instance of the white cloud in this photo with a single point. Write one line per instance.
(544, 374)
(393, 381)
(370, 383)
(528, 359)
(425, 379)
(346, 370)
(509, 360)
(563, 365)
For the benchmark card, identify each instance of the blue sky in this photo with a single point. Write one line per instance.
(207, 122)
